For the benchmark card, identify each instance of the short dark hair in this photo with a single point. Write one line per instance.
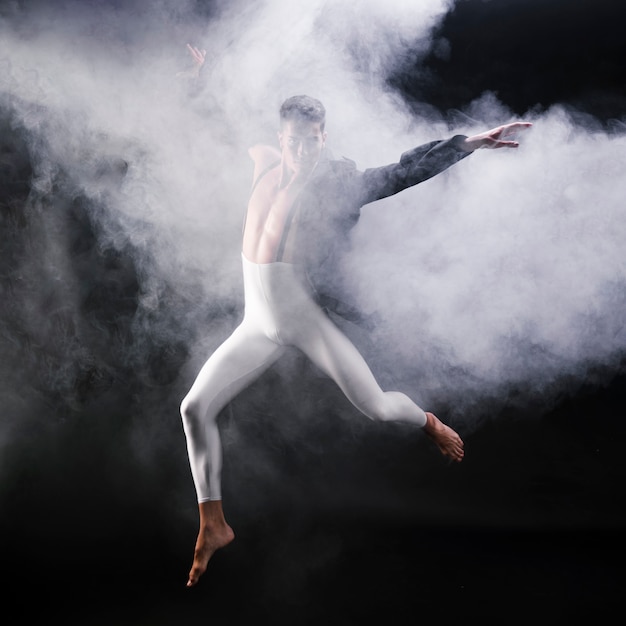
(304, 108)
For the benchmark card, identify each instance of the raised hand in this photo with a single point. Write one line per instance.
(198, 57)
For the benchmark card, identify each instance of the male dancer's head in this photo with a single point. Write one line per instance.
(301, 135)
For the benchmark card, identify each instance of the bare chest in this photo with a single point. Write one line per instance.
(270, 207)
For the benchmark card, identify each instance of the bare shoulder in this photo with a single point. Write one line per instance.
(263, 156)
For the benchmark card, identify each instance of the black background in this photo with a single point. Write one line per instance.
(528, 528)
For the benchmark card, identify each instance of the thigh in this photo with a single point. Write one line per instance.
(339, 358)
(238, 361)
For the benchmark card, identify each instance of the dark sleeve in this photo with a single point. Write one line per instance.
(415, 166)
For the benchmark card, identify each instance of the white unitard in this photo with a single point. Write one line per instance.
(279, 311)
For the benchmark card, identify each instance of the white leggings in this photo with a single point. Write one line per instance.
(279, 312)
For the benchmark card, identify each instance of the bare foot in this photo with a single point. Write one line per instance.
(447, 440)
(214, 534)
(207, 544)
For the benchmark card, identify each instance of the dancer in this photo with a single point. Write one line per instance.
(301, 201)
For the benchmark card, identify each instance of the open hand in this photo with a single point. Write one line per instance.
(198, 57)
(495, 138)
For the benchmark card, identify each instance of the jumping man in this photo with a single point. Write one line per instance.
(302, 203)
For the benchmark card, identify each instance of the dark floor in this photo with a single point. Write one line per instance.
(529, 529)
(335, 573)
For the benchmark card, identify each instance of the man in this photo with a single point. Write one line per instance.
(300, 204)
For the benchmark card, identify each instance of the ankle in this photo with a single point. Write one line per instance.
(211, 514)
(431, 423)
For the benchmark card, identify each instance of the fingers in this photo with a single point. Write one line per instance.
(197, 54)
(506, 130)
(504, 144)
(514, 127)
(493, 143)
(507, 144)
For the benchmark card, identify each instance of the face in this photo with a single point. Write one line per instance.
(301, 143)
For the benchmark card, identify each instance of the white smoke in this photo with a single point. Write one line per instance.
(506, 270)
(512, 269)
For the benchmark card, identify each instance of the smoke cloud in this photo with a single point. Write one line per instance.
(504, 274)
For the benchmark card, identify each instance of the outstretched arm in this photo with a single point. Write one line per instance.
(495, 138)
(424, 162)
(415, 166)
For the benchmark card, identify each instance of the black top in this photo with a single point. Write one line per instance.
(329, 206)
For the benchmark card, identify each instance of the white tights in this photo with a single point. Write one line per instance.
(279, 312)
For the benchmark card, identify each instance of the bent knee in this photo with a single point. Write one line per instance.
(191, 413)
(379, 410)
(382, 415)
